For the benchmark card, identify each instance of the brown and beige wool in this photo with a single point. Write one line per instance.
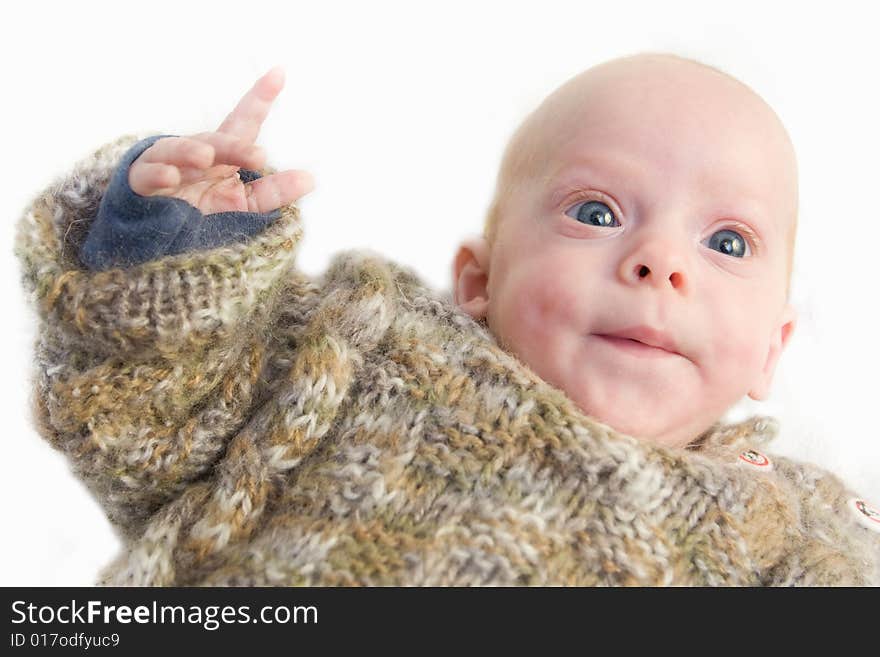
(244, 424)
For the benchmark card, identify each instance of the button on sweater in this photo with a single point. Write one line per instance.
(242, 423)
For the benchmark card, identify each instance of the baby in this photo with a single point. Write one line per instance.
(553, 420)
(638, 250)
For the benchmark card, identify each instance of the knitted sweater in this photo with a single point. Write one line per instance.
(242, 423)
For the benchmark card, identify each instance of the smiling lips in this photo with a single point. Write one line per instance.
(642, 341)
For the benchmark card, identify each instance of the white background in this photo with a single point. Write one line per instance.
(401, 111)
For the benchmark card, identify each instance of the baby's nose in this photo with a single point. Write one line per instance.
(655, 263)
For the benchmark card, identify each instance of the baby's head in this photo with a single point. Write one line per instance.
(652, 197)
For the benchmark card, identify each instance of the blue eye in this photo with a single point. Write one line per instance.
(595, 213)
(728, 242)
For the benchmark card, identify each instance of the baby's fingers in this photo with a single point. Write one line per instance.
(150, 178)
(229, 149)
(247, 118)
(180, 152)
(279, 189)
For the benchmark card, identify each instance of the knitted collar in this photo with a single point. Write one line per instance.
(756, 431)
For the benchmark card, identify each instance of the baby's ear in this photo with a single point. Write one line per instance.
(470, 277)
(779, 339)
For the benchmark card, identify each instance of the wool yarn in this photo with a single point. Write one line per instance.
(242, 423)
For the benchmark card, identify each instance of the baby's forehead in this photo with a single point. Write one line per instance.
(665, 118)
(682, 106)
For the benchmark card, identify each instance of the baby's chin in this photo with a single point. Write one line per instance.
(648, 427)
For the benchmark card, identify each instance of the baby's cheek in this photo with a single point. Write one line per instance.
(543, 301)
(532, 310)
(737, 351)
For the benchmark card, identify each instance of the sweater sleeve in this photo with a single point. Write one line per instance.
(130, 228)
(143, 372)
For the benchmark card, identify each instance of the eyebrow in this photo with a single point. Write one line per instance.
(592, 167)
(616, 162)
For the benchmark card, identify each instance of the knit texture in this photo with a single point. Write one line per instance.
(242, 423)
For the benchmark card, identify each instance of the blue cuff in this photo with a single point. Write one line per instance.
(131, 229)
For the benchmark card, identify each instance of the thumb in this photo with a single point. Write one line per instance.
(278, 189)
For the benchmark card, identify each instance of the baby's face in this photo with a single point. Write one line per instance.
(660, 207)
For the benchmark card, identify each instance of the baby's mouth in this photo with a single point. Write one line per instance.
(642, 339)
(635, 347)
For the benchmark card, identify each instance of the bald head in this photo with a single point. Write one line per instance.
(665, 91)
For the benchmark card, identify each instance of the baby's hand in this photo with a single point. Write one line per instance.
(203, 169)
